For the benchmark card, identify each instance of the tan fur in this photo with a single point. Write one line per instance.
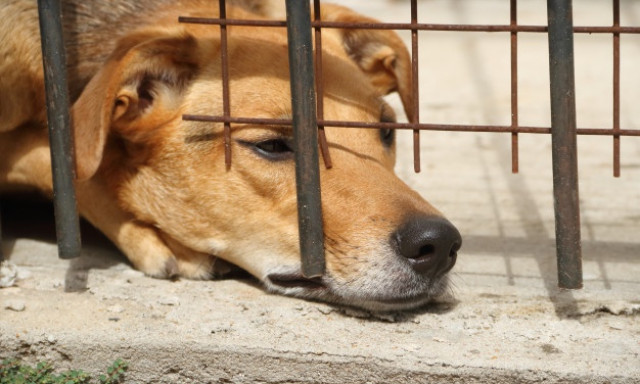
(157, 185)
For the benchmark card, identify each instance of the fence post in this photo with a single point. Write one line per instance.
(563, 137)
(1, 252)
(305, 135)
(60, 138)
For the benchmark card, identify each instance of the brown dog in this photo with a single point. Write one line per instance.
(157, 185)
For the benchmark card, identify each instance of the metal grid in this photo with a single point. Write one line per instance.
(309, 123)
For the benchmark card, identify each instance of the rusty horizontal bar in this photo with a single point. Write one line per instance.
(236, 120)
(238, 22)
(409, 26)
(421, 126)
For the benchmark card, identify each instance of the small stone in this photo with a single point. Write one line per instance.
(170, 300)
(325, 310)
(549, 348)
(115, 309)
(617, 325)
(8, 274)
(15, 305)
(23, 274)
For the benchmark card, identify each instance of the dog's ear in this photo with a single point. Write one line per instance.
(380, 54)
(138, 87)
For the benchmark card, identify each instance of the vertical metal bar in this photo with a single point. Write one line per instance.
(563, 137)
(322, 138)
(60, 137)
(616, 89)
(305, 138)
(1, 252)
(226, 108)
(415, 118)
(514, 86)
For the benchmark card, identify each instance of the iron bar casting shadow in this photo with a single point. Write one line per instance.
(60, 138)
(1, 252)
(305, 136)
(563, 142)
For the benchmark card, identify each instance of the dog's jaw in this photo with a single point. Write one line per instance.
(291, 282)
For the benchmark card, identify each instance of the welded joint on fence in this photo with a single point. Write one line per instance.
(60, 136)
(564, 144)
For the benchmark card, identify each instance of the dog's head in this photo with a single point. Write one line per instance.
(386, 247)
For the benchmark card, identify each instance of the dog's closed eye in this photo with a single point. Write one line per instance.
(387, 136)
(275, 149)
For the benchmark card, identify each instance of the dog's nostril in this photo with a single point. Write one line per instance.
(425, 251)
(455, 248)
(430, 244)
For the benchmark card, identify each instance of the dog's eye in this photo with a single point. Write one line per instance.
(387, 136)
(274, 149)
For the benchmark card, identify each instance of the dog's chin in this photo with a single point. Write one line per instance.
(324, 289)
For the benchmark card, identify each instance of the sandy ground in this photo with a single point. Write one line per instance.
(508, 321)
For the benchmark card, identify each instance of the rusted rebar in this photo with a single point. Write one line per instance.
(616, 89)
(322, 137)
(415, 93)
(224, 63)
(410, 126)
(410, 26)
(514, 85)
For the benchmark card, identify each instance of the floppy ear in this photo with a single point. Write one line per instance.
(136, 88)
(380, 54)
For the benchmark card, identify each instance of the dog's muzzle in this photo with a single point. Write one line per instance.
(420, 252)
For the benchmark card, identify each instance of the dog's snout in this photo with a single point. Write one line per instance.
(430, 244)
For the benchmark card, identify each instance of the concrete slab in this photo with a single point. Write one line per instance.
(505, 321)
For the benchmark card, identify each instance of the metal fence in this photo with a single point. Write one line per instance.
(309, 123)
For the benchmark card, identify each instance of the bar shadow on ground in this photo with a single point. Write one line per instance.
(33, 218)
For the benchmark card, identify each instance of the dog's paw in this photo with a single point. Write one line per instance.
(159, 255)
(147, 251)
(163, 265)
(189, 263)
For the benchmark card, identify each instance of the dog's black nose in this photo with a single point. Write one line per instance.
(430, 244)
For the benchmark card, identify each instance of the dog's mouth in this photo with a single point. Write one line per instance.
(294, 280)
(293, 283)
